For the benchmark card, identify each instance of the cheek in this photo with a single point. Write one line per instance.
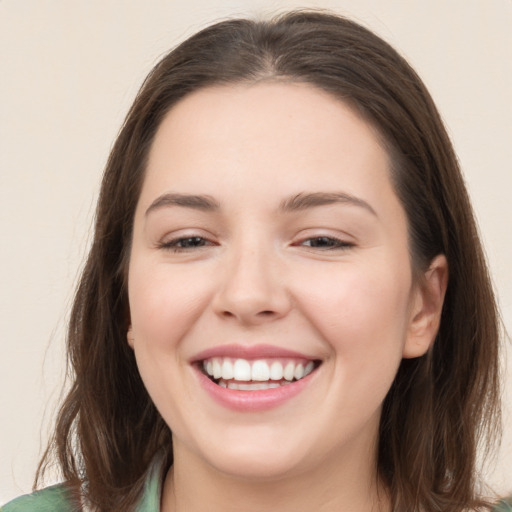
(360, 310)
(360, 313)
(165, 301)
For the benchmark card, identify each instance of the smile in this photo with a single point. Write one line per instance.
(254, 378)
(254, 375)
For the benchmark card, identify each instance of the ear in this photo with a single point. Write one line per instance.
(129, 336)
(427, 306)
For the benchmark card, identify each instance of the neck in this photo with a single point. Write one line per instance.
(192, 485)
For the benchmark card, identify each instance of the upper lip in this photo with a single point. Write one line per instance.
(250, 352)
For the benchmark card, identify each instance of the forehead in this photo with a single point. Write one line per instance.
(241, 138)
(260, 111)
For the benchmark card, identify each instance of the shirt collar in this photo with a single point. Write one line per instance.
(152, 494)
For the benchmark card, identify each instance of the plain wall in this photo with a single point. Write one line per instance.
(69, 71)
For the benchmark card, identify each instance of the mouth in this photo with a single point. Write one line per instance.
(254, 378)
(256, 374)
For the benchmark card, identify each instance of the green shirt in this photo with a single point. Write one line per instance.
(504, 505)
(57, 499)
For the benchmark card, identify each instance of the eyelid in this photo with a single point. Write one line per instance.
(175, 241)
(170, 241)
(336, 243)
(344, 239)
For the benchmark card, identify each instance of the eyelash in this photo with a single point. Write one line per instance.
(328, 243)
(334, 244)
(174, 245)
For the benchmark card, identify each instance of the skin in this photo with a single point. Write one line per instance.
(332, 281)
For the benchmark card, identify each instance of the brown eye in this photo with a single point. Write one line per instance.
(326, 242)
(186, 243)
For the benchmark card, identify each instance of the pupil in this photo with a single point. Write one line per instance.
(321, 242)
(194, 241)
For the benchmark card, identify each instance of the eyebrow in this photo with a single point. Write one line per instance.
(298, 202)
(304, 201)
(196, 202)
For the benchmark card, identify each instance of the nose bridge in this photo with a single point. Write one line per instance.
(252, 288)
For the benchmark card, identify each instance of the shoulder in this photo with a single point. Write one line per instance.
(51, 499)
(504, 505)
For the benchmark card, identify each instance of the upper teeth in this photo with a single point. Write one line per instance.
(257, 370)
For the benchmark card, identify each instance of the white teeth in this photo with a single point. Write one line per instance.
(309, 368)
(252, 386)
(227, 370)
(241, 370)
(299, 371)
(276, 371)
(260, 371)
(217, 369)
(289, 371)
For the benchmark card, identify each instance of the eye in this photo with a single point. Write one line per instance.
(186, 243)
(326, 243)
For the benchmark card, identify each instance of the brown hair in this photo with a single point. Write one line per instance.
(440, 406)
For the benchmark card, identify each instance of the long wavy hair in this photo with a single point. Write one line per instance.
(442, 407)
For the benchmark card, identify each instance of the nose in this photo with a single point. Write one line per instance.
(252, 289)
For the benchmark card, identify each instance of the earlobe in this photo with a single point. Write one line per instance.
(129, 336)
(427, 308)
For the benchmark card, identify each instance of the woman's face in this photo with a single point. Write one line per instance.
(270, 250)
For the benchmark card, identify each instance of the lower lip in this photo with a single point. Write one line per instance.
(257, 400)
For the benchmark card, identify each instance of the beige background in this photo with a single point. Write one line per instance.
(69, 70)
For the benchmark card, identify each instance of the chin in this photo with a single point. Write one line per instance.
(257, 466)
(267, 456)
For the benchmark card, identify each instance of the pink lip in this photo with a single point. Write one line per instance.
(249, 352)
(252, 401)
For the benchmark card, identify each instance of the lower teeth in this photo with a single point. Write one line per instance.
(252, 386)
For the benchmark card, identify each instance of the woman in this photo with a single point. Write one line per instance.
(286, 305)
